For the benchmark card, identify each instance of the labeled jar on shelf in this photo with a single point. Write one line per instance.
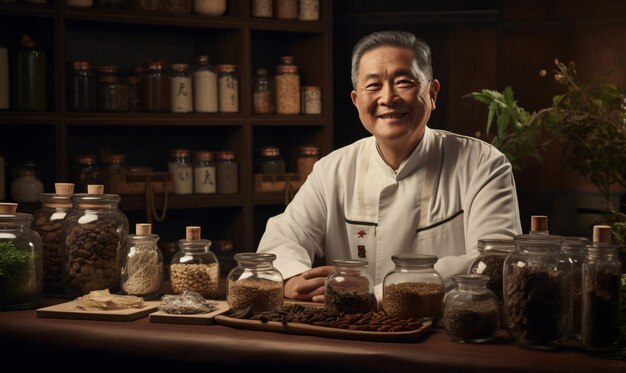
(112, 94)
(181, 171)
(287, 88)
(263, 94)
(86, 171)
(180, 89)
(155, 87)
(194, 267)
(95, 232)
(311, 100)
(48, 222)
(82, 87)
(271, 163)
(204, 172)
(262, 8)
(286, 9)
(349, 288)
(205, 91)
(211, 8)
(307, 156)
(26, 186)
(413, 288)
(470, 312)
(142, 264)
(576, 248)
(228, 88)
(309, 10)
(31, 90)
(227, 174)
(20, 260)
(255, 284)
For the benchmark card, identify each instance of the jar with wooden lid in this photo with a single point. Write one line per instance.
(287, 87)
(85, 171)
(181, 171)
(311, 100)
(180, 89)
(307, 156)
(227, 175)
(204, 172)
(228, 88)
(31, 90)
(82, 86)
(263, 94)
(271, 163)
(286, 9)
(142, 264)
(155, 87)
(205, 91)
(194, 267)
(112, 94)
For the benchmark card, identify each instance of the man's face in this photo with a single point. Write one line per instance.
(392, 95)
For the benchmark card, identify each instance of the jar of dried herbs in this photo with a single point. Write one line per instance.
(255, 284)
(155, 87)
(271, 163)
(350, 288)
(82, 87)
(537, 291)
(142, 264)
(194, 267)
(575, 249)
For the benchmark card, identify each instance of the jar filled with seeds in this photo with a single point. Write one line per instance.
(227, 174)
(413, 288)
(349, 288)
(287, 87)
(228, 88)
(155, 87)
(20, 260)
(575, 249)
(470, 311)
(142, 264)
(95, 232)
(263, 94)
(537, 291)
(255, 284)
(48, 222)
(194, 267)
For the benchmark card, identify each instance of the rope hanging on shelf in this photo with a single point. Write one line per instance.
(151, 205)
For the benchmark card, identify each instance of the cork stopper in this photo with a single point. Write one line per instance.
(95, 189)
(538, 224)
(64, 189)
(602, 234)
(8, 208)
(143, 229)
(192, 233)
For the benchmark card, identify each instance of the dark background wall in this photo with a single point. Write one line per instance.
(493, 44)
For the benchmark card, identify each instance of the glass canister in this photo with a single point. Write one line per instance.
(181, 90)
(20, 260)
(413, 288)
(155, 87)
(309, 10)
(181, 171)
(142, 264)
(263, 95)
(349, 288)
(262, 8)
(537, 292)
(95, 232)
(575, 249)
(254, 284)
(600, 328)
(287, 87)
(205, 91)
(311, 99)
(112, 94)
(211, 8)
(194, 267)
(470, 312)
(271, 162)
(31, 90)
(227, 174)
(26, 186)
(86, 171)
(307, 156)
(82, 87)
(48, 222)
(204, 172)
(228, 88)
(286, 9)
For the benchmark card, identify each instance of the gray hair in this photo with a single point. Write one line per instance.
(400, 39)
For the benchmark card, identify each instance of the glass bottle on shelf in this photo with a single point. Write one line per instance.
(26, 186)
(211, 8)
(349, 288)
(194, 267)
(142, 264)
(575, 249)
(227, 175)
(82, 87)
(287, 87)
(286, 9)
(181, 171)
(31, 90)
(86, 171)
(21, 264)
(311, 100)
(181, 90)
(262, 8)
(205, 91)
(263, 95)
(271, 162)
(309, 10)
(204, 172)
(254, 283)
(112, 93)
(155, 87)
(307, 156)
(228, 88)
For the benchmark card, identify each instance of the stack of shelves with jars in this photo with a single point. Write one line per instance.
(127, 38)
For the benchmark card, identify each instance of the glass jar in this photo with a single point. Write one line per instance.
(181, 171)
(134, 94)
(413, 288)
(142, 264)
(31, 90)
(263, 97)
(86, 171)
(311, 100)
(204, 172)
(20, 260)
(307, 156)
(194, 268)
(287, 9)
(95, 232)
(155, 87)
(26, 186)
(470, 312)
(82, 87)
(262, 8)
(112, 94)
(227, 176)
(254, 284)
(349, 288)
(48, 222)
(181, 90)
(309, 10)
(228, 88)
(575, 249)
(205, 92)
(271, 162)
(490, 262)
(537, 291)
(600, 328)
(211, 8)
(287, 89)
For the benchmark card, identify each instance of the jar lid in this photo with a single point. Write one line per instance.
(225, 155)
(287, 60)
(179, 66)
(308, 150)
(155, 65)
(203, 155)
(254, 257)
(81, 65)
(226, 68)
(64, 189)
(179, 153)
(414, 259)
(471, 279)
(496, 244)
(93, 200)
(287, 68)
(538, 240)
(8, 208)
(85, 159)
(107, 69)
(575, 243)
(270, 151)
(202, 59)
(55, 200)
(350, 263)
(114, 158)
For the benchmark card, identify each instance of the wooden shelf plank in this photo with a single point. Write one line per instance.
(137, 202)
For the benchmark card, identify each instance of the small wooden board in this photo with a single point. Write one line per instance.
(193, 319)
(69, 310)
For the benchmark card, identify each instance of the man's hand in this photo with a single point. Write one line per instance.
(309, 285)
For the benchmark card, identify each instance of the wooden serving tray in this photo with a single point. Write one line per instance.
(193, 319)
(69, 310)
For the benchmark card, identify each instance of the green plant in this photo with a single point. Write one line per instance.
(17, 268)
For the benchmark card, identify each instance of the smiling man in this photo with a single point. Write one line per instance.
(406, 189)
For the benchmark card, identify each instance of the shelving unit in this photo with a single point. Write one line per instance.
(126, 38)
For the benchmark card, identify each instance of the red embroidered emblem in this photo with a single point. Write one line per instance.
(362, 233)
(361, 251)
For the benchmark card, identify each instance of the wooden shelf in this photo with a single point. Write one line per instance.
(137, 202)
